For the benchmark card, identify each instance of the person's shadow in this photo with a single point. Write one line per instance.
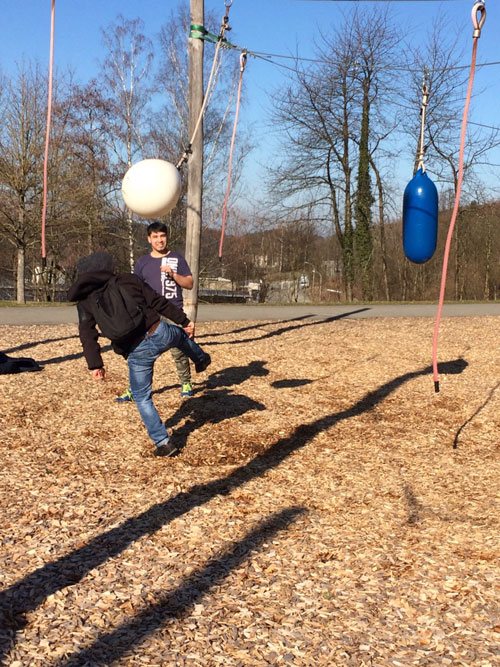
(212, 407)
(216, 403)
(233, 375)
(228, 377)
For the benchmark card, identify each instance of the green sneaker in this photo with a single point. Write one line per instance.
(187, 389)
(125, 398)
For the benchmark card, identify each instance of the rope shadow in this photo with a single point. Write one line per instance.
(70, 357)
(475, 414)
(28, 593)
(414, 506)
(67, 357)
(254, 326)
(27, 346)
(111, 646)
(282, 330)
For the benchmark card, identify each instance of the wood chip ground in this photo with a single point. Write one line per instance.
(328, 507)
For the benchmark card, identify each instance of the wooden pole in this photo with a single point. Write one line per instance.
(195, 161)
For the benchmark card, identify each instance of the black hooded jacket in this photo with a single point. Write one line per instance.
(154, 305)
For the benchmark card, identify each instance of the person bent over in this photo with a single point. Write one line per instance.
(142, 346)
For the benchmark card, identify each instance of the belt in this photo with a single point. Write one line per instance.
(153, 327)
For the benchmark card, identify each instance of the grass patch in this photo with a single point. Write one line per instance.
(30, 304)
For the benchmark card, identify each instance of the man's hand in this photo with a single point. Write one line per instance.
(99, 373)
(186, 282)
(168, 269)
(189, 329)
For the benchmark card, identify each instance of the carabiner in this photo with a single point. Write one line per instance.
(425, 95)
(243, 60)
(225, 18)
(425, 87)
(478, 24)
(227, 5)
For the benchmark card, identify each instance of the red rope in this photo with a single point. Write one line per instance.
(478, 7)
(243, 60)
(47, 132)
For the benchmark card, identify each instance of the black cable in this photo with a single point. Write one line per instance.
(267, 56)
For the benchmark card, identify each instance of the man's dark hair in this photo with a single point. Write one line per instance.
(157, 227)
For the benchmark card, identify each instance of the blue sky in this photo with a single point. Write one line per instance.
(264, 26)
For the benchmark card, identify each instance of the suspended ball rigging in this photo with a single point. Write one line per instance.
(151, 188)
(420, 218)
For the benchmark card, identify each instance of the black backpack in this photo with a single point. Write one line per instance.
(117, 314)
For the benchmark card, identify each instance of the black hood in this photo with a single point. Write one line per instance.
(88, 283)
(97, 261)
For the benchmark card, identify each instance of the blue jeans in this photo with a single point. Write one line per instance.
(140, 365)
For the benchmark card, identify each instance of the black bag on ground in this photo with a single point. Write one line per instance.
(117, 314)
(17, 365)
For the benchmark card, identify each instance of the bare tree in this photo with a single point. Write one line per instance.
(439, 59)
(93, 178)
(376, 42)
(22, 138)
(381, 226)
(332, 122)
(125, 76)
(314, 114)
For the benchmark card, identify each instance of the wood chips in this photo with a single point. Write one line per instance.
(327, 507)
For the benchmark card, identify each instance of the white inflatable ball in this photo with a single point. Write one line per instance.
(151, 188)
